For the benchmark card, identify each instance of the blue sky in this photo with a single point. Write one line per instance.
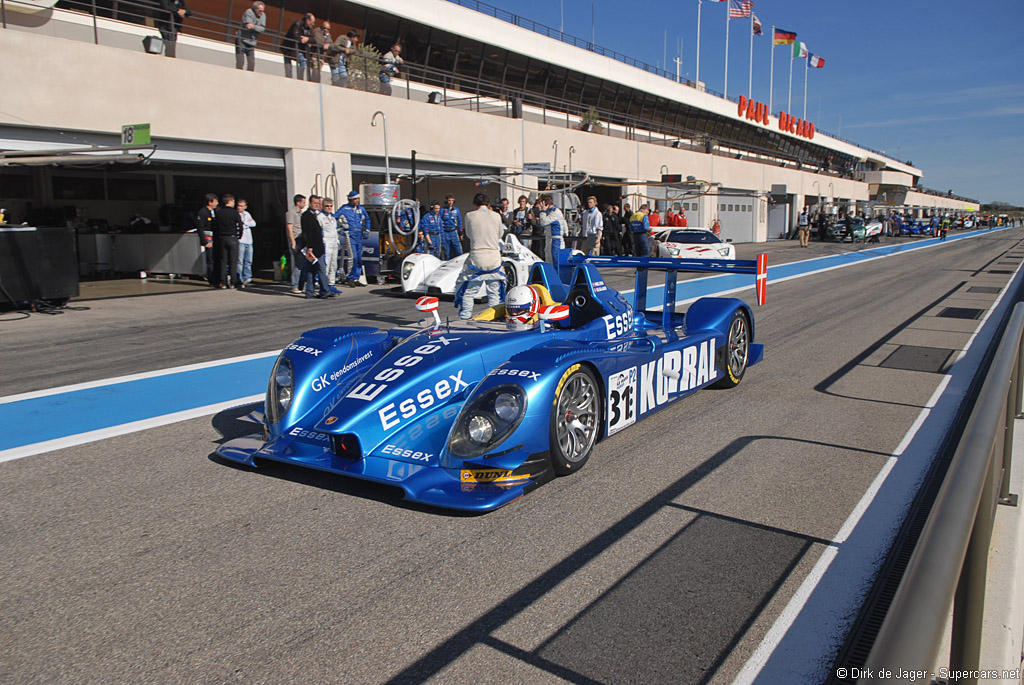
(938, 83)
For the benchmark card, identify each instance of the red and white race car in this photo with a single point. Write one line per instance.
(692, 243)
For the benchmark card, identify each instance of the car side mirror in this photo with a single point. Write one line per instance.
(728, 240)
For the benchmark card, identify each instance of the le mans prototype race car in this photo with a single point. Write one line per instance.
(472, 415)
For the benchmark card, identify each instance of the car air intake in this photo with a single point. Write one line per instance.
(346, 446)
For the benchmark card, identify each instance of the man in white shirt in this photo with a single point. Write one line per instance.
(245, 242)
(593, 227)
(483, 268)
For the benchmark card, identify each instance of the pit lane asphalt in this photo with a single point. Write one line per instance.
(665, 560)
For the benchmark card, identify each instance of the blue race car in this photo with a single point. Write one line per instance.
(474, 414)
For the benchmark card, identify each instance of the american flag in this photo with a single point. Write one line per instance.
(740, 9)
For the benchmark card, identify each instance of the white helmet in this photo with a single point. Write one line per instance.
(521, 305)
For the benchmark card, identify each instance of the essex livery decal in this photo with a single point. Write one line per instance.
(642, 389)
(368, 391)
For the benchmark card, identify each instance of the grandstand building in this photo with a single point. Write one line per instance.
(482, 92)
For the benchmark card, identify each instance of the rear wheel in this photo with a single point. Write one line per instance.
(737, 350)
(575, 420)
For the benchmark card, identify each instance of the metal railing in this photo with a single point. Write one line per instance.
(950, 561)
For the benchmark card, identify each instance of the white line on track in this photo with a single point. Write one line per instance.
(123, 429)
(812, 658)
(134, 377)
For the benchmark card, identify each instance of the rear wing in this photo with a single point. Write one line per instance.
(671, 266)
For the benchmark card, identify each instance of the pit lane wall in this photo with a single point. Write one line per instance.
(60, 84)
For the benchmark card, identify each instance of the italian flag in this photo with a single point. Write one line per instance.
(815, 61)
(800, 49)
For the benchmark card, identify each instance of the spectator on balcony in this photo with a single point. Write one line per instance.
(337, 57)
(254, 22)
(170, 23)
(318, 50)
(295, 46)
(389, 66)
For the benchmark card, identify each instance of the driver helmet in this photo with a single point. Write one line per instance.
(521, 307)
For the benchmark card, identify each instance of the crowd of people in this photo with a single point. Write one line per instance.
(306, 46)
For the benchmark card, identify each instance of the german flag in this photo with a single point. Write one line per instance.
(783, 37)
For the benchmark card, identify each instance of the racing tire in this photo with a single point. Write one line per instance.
(575, 419)
(736, 351)
(511, 277)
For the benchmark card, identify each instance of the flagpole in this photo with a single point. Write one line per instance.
(699, 3)
(789, 100)
(807, 65)
(750, 85)
(771, 78)
(725, 88)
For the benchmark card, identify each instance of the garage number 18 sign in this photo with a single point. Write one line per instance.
(135, 134)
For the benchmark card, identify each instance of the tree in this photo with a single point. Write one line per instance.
(364, 69)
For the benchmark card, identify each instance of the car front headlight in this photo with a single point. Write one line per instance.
(280, 390)
(724, 251)
(487, 420)
(407, 268)
(674, 251)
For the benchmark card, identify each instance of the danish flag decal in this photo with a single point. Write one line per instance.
(761, 284)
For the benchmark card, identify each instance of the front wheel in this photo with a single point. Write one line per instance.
(511, 275)
(575, 420)
(736, 352)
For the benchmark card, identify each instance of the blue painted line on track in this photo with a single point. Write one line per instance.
(79, 411)
(74, 412)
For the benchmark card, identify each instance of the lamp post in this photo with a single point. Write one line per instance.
(554, 145)
(387, 161)
(572, 149)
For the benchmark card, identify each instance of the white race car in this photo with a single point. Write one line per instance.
(423, 273)
(693, 243)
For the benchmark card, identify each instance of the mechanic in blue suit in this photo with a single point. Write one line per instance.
(358, 228)
(553, 220)
(431, 229)
(451, 221)
(639, 227)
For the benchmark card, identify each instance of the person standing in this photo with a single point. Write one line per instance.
(337, 57)
(318, 48)
(451, 222)
(293, 231)
(593, 227)
(612, 230)
(331, 242)
(483, 269)
(390, 64)
(295, 46)
(553, 222)
(169, 25)
(254, 22)
(205, 218)
(227, 230)
(848, 226)
(654, 218)
(519, 218)
(313, 241)
(639, 227)
(431, 229)
(506, 213)
(944, 227)
(358, 222)
(245, 242)
(804, 228)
